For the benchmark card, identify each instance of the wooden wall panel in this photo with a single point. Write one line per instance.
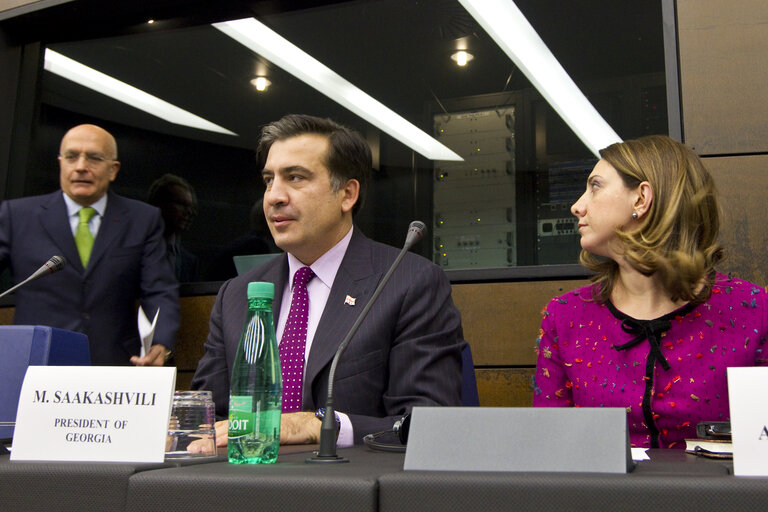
(723, 72)
(6, 316)
(193, 331)
(501, 320)
(505, 387)
(743, 185)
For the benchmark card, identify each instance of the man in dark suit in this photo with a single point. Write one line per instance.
(407, 351)
(178, 205)
(118, 259)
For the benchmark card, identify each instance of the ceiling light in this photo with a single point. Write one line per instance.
(88, 77)
(508, 27)
(462, 57)
(261, 83)
(259, 38)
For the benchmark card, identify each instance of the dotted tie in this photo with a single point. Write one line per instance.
(294, 341)
(83, 235)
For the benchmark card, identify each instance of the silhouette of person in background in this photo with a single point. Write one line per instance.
(257, 241)
(178, 203)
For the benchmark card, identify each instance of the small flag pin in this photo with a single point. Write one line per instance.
(349, 301)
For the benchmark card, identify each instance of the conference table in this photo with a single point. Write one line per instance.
(373, 481)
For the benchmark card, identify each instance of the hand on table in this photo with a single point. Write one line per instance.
(295, 428)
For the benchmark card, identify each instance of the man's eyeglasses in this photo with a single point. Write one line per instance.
(72, 157)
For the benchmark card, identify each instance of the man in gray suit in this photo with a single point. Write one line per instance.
(407, 352)
(115, 256)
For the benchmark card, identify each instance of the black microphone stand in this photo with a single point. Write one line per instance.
(328, 430)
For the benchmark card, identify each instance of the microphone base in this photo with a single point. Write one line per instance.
(333, 459)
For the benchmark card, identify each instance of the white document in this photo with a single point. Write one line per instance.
(749, 420)
(146, 331)
(96, 413)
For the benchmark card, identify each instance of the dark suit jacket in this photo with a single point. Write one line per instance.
(185, 265)
(407, 351)
(128, 264)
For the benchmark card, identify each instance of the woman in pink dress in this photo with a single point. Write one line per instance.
(657, 329)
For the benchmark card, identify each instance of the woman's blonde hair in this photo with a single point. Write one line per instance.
(677, 240)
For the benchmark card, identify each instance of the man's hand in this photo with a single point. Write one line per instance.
(295, 428)
(222, 430)
(156, 357)
(222, 433)
(202, 447)
(299, 428)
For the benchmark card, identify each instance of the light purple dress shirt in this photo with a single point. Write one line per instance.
(319, 288)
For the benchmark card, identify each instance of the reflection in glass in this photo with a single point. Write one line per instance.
(507, 206)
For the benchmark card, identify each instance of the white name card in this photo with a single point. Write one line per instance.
(749, 420)
(97, 413)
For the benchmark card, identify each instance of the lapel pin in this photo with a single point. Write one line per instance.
(349, 301)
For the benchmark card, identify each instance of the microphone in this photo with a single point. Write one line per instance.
(54, 264)
(327, 450)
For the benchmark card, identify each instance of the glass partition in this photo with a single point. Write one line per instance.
(503, 203)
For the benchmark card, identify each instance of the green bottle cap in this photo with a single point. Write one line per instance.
(261, 290)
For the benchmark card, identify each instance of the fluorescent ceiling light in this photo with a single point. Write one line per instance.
(259, 38)
(508, 27)
(88, 77)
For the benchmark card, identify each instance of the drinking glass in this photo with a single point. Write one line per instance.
(192, 421)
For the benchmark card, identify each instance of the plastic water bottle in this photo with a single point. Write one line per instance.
(256, 391)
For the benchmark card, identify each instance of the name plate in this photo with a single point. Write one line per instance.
(97, 413)
(519, 439)
(749, 420)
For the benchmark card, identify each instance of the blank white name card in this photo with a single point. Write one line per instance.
(749, 420)
(97, 413)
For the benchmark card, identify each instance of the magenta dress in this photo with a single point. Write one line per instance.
(669, 373)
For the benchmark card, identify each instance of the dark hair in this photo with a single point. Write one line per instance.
(348, 158)
(160, 188)
(677, 240)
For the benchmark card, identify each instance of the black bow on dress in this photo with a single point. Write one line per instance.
(646, 329)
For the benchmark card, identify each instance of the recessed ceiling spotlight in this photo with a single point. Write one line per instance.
(461, 57)
(261, 83)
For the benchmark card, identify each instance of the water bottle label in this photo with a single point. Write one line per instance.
(242, 420)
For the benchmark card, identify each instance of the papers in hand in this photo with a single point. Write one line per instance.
(146, 331)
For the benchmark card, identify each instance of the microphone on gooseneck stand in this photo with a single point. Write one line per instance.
(327, 450)
(54, 264)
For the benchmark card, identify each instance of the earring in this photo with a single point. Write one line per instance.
(634, 215)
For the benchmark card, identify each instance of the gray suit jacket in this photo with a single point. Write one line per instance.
(407, 351)
(128, 263)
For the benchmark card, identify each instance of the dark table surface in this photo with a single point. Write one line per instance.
(671, 480)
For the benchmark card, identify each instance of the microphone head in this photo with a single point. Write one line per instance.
(56, 263)
(416, 232)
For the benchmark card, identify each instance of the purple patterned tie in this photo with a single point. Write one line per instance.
(294, 341)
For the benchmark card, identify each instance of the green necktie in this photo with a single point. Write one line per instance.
(83, 235)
